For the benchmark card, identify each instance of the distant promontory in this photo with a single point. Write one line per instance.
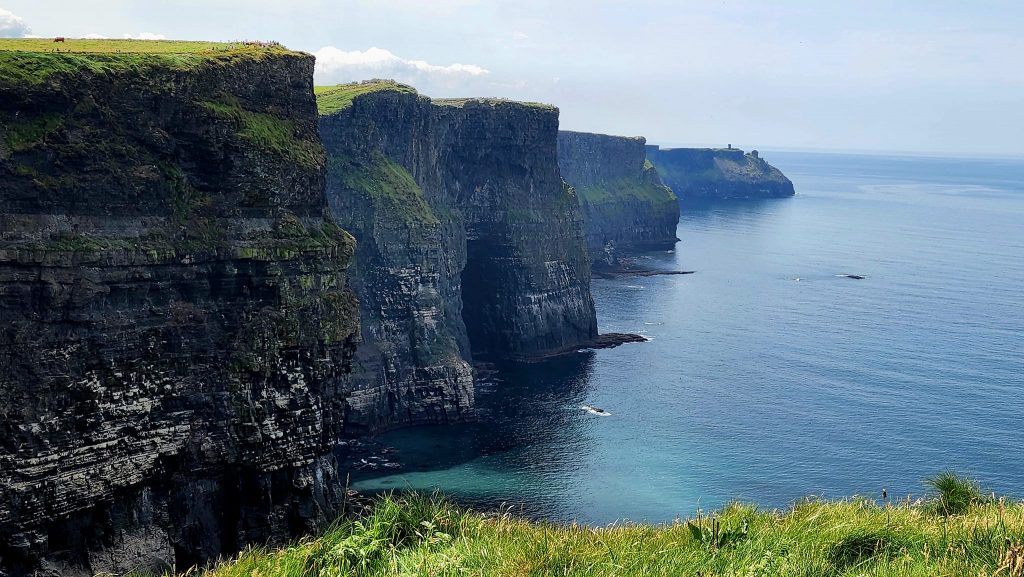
(718, 173)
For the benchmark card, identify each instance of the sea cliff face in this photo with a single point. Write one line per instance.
(175, 325)
(469, 244)
(718, 173)
(625, 206)
(411, 365)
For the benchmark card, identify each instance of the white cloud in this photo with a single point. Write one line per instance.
(334, 65)
(12, 26)
(142, 36)
(145, 36)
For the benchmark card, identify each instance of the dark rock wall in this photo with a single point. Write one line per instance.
(526, 285)
(411, 364)
(473, 248)
(625, 205)
(718, 173)
(175, 324)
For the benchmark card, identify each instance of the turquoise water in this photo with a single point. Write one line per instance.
(761, 387)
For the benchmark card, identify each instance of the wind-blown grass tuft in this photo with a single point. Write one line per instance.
(955, 494)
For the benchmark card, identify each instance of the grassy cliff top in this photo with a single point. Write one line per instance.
(958, 530)
(331, 99)
(601, 136)
(34, 60)
(462, 102)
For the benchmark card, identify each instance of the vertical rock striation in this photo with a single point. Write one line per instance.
(625, 205)
(468, 243)
(718, 173)
(175, 324)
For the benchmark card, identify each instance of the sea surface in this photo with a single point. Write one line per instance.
(768, 376)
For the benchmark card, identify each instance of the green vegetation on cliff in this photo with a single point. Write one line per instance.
(331, 99)
(648, 189)
(494, 102)
(624, 190)
(269, 132)
(34, 60)
(392, 189)
(957, 531)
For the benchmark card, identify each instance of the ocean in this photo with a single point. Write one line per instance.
(769, 375)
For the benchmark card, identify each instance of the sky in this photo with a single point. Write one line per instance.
(927, 76)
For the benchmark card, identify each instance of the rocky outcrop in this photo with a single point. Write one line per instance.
(625, 206)
(175, 325)
(718, 173)
(468, 243)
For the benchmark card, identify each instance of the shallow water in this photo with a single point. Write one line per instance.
(769, 377)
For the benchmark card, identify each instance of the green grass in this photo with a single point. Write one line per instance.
(955, 494)
(332, 99)
(429, 536)
(269, 132)
(111, 46)
(461, 102)
(647, 189)
(34, 61)
(393, 191)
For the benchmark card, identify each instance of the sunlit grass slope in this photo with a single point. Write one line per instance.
(32, 61)
(331, 99)
(957, 532)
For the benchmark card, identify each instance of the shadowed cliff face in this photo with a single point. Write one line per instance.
(718, 173)
(625, 205)
(471, 244)
(526, 283)
(411, 364)
(175, 323)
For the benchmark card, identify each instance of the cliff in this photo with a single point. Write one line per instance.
(718, 173)
(175, 325)
(625, 205)
(468, 243)
(411, 364)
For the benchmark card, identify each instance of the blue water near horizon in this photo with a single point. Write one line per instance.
(768, 377)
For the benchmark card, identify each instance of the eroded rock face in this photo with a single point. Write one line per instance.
(175, 325)
(626, 208)
(468, 244)
(718, 173)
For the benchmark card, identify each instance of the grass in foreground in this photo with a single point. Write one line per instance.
(417, 535)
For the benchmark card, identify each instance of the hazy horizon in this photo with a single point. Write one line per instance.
(919, 77)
